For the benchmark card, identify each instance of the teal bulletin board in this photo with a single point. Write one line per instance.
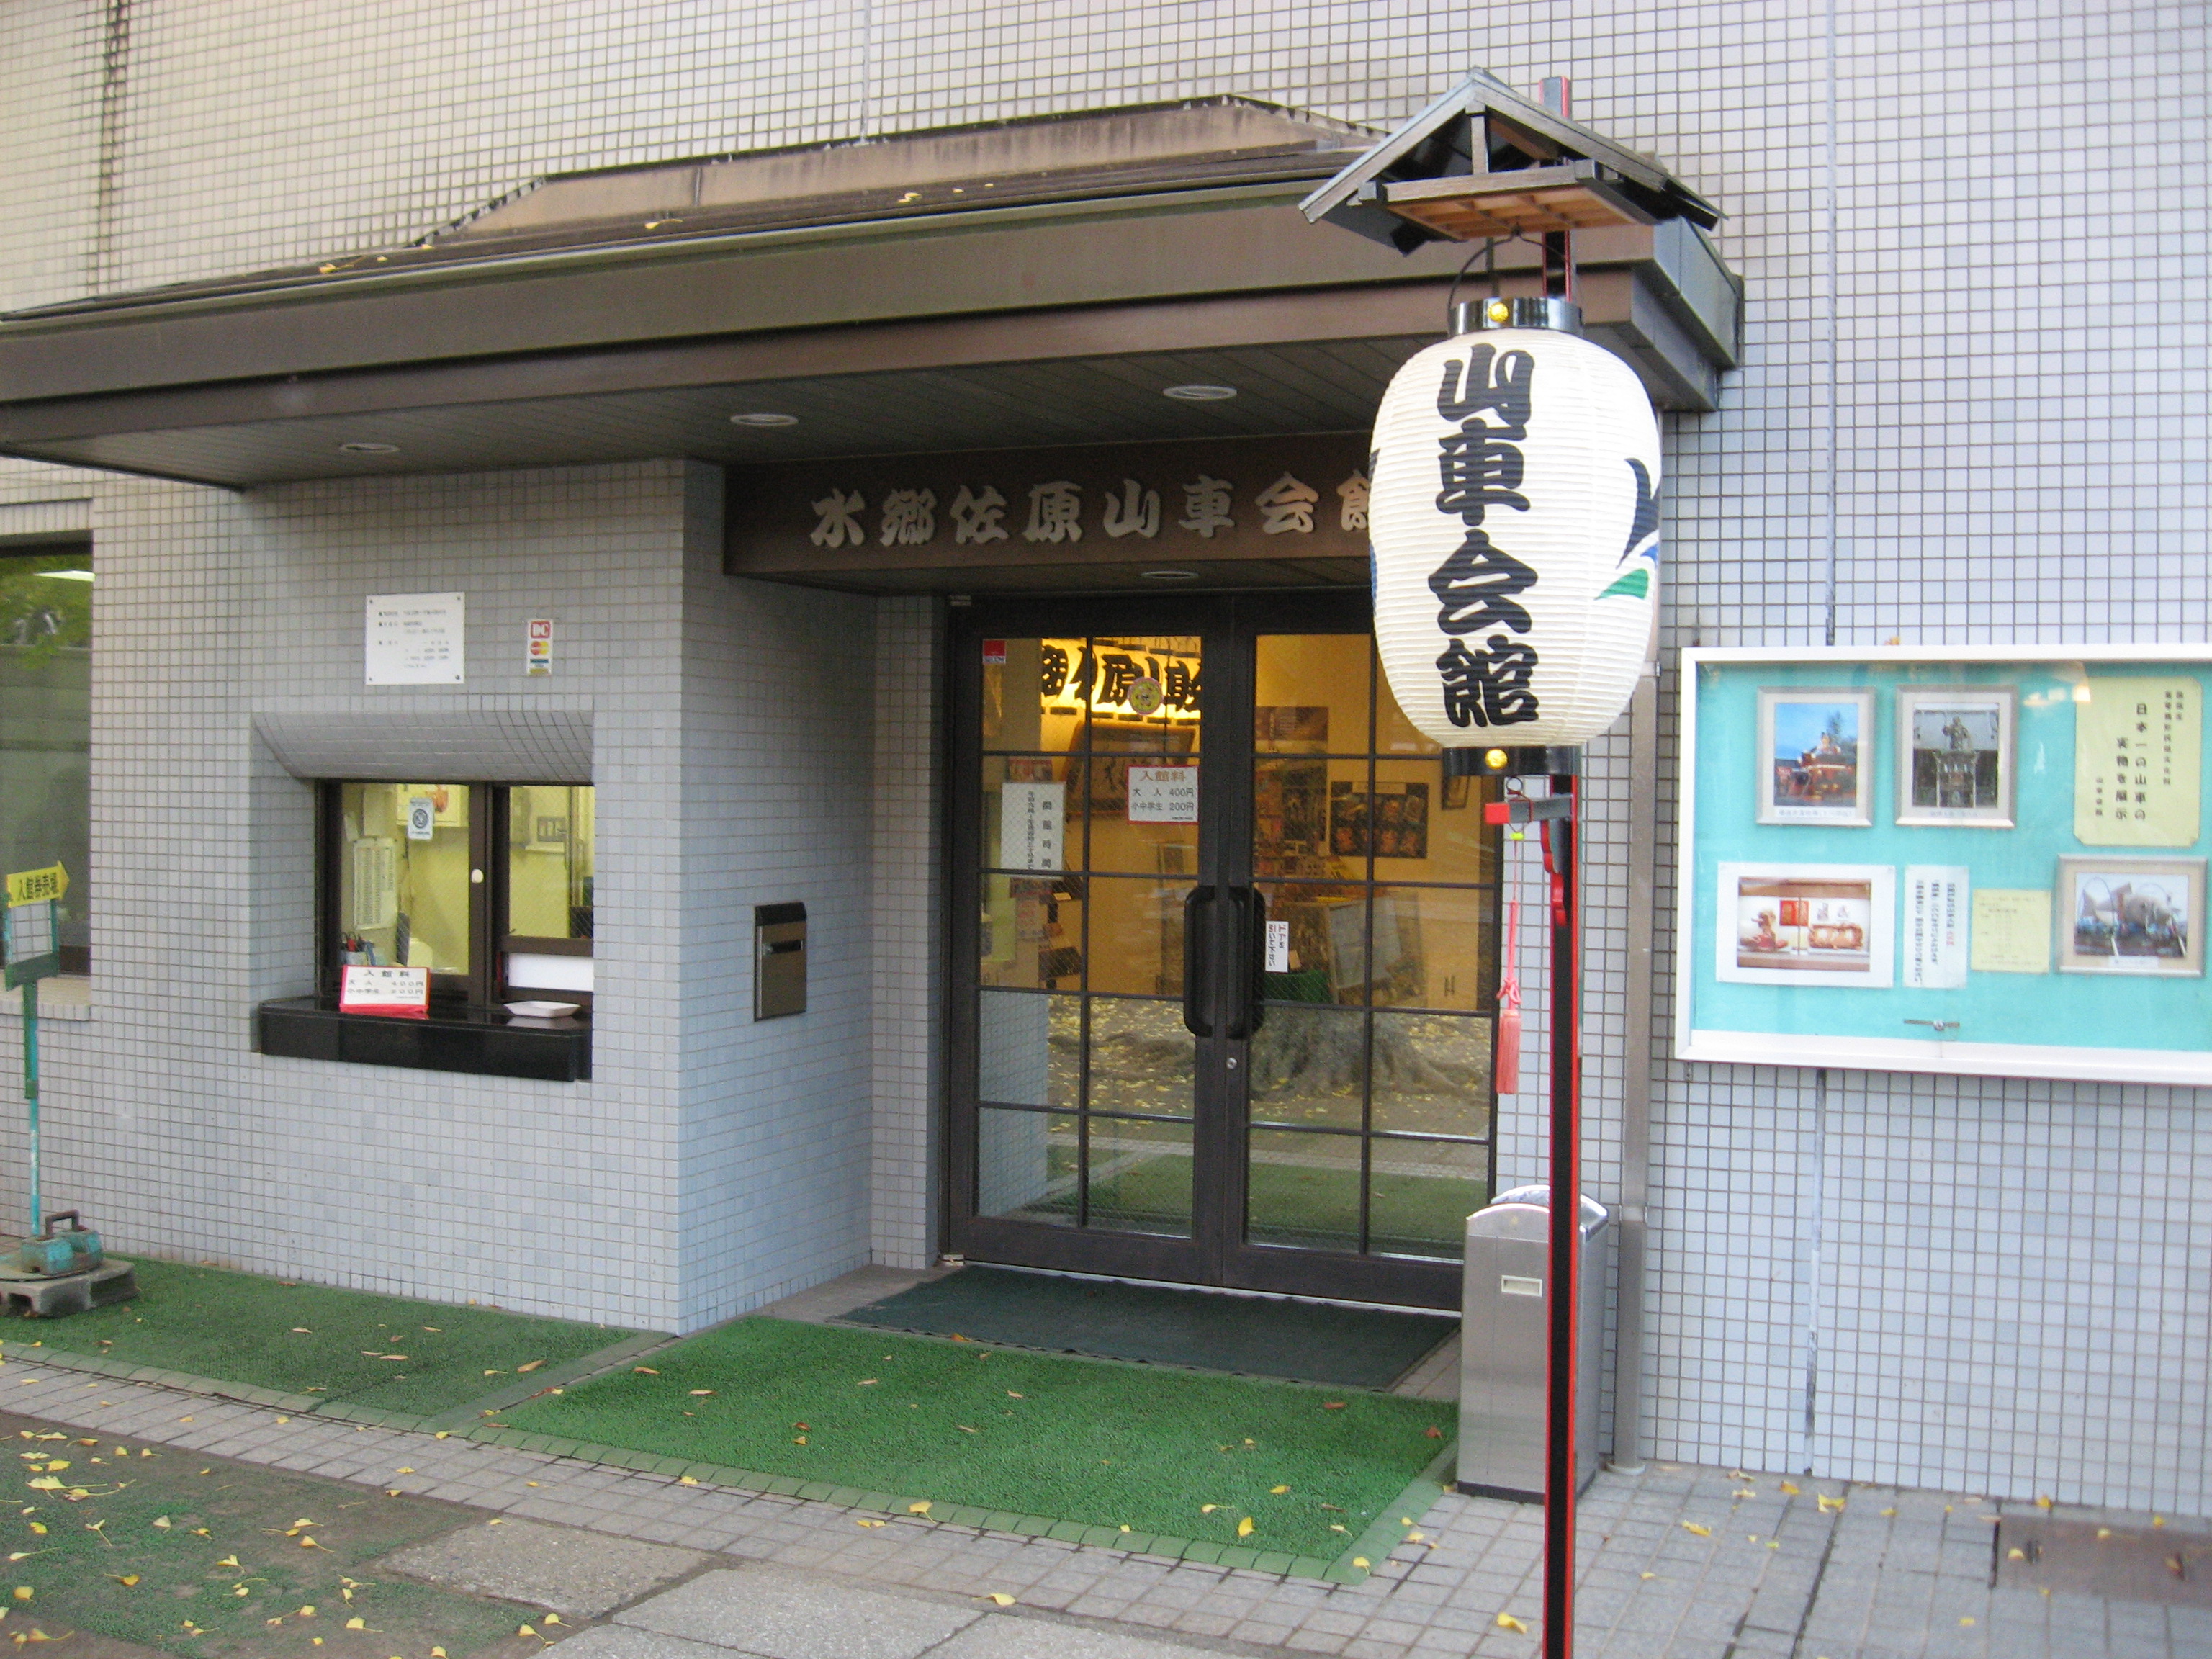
(2040, 909)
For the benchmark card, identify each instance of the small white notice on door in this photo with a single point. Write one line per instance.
(1163, 794)
(414, 639)
(1278, 947)
(1937, 901)
(1030, 819)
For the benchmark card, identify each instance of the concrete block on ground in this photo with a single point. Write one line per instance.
(782, 1614)
(574, 1573)
(626, 1642)
(1000, 1636)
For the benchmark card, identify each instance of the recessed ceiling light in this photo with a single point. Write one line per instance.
(368, 449)
(1201, 394)
(68, 576)
(1171, 575)
(764, 417)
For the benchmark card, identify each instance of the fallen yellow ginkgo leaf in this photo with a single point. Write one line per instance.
(1507, 1621)
(1359, 1561)
(1208, 1509)
(1244, 1528)
(1692, 1526)
(1830, 1505)
(356, 1623)
(1790, 1488)
(532, 1366)
(125, 1579)
(1278, 1491)
(1002, 1599)
(922, 1508)
(2015, 1554)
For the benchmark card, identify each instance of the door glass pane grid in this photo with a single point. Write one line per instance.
(1110, 948)
(1369, 1082)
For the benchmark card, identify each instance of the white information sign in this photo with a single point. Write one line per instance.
(1278, 947)
(1937, 906)
(414, 639)
(1163, 794)
(1030, 825)
(384, 990)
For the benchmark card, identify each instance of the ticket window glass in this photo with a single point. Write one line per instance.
(405, 887)
(547, 947)
(410, 881)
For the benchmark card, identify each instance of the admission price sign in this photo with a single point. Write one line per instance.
(1980, 861)
(384, 991)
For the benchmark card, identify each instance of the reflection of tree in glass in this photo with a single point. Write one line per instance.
(43, 612)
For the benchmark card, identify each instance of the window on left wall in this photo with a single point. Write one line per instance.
(45, 728)
(488, 886)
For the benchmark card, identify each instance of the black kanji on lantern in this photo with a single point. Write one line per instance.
(1480, 466)
(1490, 687)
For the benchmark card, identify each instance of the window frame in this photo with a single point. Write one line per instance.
(75, 546)
(490, 943)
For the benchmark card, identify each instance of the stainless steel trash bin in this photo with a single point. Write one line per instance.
(1503, 1340)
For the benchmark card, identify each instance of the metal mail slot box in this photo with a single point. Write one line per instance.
(779, 960)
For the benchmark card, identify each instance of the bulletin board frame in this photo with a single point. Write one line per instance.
(1929, 1006)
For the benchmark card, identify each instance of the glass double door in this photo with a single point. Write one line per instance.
(1225, 953)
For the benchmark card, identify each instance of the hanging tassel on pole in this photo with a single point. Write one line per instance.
(1505, 1065)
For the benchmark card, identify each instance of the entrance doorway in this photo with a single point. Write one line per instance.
(1226, 952)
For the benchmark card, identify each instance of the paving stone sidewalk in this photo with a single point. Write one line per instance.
(1677, 1562)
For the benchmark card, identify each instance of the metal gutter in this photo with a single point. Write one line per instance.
(308, 286)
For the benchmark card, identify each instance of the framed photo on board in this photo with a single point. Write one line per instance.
(1955, 755)
(1815, 756)
(1807, 924)
(2121, 916)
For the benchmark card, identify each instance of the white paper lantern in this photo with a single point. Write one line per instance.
(1514, 520)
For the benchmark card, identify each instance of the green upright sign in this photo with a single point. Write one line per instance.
(31, 937)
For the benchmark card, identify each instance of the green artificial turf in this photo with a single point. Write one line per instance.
(177, 1551)
(313, 1340)
(1091, 1441)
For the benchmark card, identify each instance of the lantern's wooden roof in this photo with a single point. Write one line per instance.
(1482, 161)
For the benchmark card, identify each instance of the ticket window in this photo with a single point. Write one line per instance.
(487, 886)
(549, 844)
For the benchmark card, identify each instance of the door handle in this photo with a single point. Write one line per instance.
(1251, 907)
(1195, 1019)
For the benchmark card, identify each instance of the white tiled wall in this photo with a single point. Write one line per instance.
(1971, 408)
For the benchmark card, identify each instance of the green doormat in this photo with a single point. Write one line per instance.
(1128, 1448)
(329, 1345)
(1263, 1336)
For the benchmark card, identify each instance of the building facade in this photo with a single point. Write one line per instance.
(1966, 408)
